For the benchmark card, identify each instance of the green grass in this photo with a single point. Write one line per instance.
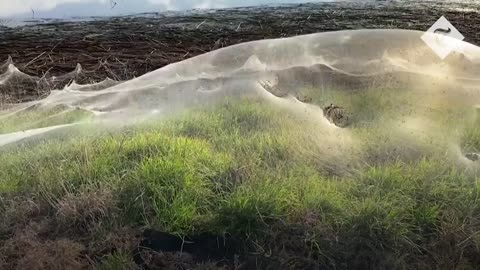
(116, 261)
(470, 138)
(244, 169)
(41, 117)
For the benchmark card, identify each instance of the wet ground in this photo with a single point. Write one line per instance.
(122, 48)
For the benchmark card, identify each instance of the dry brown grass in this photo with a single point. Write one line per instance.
(113, 240)
(26, 250)
(85, 211)
(19, 212)
(74, 232)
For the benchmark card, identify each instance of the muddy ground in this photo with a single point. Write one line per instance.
(125, 47)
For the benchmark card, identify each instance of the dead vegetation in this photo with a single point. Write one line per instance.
(122, 48)
(27, 251)
(83, 212)
(73, 233)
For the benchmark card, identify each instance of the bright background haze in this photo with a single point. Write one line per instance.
(74, 8)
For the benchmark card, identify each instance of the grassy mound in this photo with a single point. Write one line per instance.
(241, 169)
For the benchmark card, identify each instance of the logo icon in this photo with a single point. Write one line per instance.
(442, 37)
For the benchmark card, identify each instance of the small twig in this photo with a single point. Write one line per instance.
(34, 59)
(55, 46)
(201, 24)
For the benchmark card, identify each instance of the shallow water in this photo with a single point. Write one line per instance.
(250, 7)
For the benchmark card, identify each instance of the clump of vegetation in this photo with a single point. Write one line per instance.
(241, 169)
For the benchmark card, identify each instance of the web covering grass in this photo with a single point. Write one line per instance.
(243, 169)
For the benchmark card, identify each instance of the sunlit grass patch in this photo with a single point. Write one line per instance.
(174, 189)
